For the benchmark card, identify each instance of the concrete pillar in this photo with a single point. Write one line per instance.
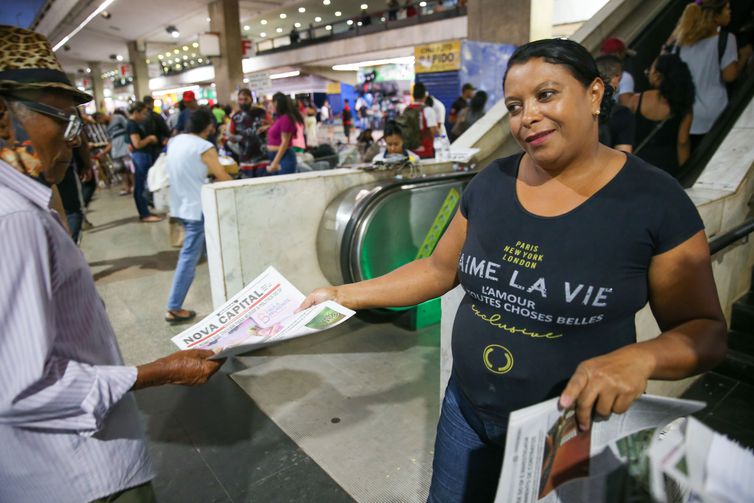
(499, 21)
(98, 85)
(224, 16)
(138, 59)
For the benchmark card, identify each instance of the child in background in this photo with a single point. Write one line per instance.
(394, 149)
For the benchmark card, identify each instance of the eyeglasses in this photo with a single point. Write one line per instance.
(72, 119)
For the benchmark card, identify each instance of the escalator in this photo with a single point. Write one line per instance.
(372, 229)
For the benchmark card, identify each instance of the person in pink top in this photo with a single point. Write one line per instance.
(281, 134)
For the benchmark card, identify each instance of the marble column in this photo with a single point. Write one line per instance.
(509, 21)
(224, 16)
(138, 58)
(98, 85)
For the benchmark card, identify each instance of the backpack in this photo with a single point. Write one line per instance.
(410, 122)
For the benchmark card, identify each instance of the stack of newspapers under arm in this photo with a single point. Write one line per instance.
(651, 453)
(262, 313)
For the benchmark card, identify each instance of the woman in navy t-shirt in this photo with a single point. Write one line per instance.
(557, 248)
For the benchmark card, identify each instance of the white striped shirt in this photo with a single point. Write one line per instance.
(69, 429)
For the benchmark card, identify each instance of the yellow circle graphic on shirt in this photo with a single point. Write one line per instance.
(499, 352)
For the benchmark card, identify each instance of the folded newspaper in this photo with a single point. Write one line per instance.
(262, 313)
(651, 453)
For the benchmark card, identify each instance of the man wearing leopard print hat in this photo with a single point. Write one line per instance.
(69, 426)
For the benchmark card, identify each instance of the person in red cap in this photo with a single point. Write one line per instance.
(189, 100)
(614, 46)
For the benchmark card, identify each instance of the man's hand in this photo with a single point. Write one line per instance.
(607, 384)
(190, 368)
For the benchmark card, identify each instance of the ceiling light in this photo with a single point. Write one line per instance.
(382, 19)
(263, 21)
(200, 60)
(297, 25)
(422, 4)
(246, 27)
(302, 9)
(89, 70)
(175, 34)
(349, 22)
(170, 61)
(325, 2)
(364, 6)
(328, 27)
(85, 22)
(106, 14)
(195, 45)
(317, 19)
(176, 51)
(285, 75)
(193, 54)
(167, 54)
(359, 23)
(352, 67)
(245, 81)
(209, 19)
(178, 66)
(263, 34)
(279, 30)
(185, 57)
(283, 15)
(160, 56)
(119, 57)
(173, 31)
(185, 48)
(148, 61)
(338, 13)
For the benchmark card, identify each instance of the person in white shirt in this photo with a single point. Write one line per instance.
(439, 108)
(189, 158)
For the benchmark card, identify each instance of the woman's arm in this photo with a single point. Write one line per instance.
(411, 284)
(286, 141)
(733, 70)
(209, 157)
(684, 139)
(142, 142)
(683, 298)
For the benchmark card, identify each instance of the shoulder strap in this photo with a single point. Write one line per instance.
(651, 134)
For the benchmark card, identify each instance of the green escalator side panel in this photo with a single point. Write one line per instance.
(404, 230)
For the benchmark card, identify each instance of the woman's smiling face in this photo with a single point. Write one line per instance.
(552, 114)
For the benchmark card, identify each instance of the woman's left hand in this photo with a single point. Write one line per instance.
(608, 383)
(274, 167)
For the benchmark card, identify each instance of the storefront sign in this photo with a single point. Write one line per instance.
(333, 88)
(259, 81)
(439, 57)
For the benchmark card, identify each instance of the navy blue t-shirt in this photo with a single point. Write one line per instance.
(544, 294)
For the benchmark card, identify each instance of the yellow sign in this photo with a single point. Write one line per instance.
(439, 57)
(333, 88)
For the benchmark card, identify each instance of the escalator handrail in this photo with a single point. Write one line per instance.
(720, 243)
(372, 200)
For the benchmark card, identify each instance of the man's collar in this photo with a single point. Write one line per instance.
(26, 186)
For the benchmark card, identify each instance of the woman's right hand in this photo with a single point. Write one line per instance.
(152, 138)
(318, 296)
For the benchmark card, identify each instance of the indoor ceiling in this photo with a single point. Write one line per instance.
(146, 21)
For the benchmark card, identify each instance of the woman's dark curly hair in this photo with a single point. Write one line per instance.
(676, 84)
(573, 56)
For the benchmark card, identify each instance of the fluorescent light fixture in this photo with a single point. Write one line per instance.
(195, 45)
(89, 70)
(263, 34)
(364, 6)
(349, 22)
(283, 15)
(175, 34)
(328, 27)
(285, 75)
(160, 56)
(200, 60)
(317, 19)
(119, 57)
(302, 9)
(263, 21)
(246, 27)
(245, 81)
(338, 13)
(104, 5)
(359, 23)
(176, 51)
(297, 25)
(185, 48)
(325, 2)
(352, 67)
(422, 4)
(209, 19)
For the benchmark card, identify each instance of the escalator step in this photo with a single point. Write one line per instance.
(742, 342)
(738, 366)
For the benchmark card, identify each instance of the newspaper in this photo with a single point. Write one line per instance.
(548, 459)
(262, 313)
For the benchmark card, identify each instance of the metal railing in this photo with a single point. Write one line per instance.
(424, 12)
(729, 238)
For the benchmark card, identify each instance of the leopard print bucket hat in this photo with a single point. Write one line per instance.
(28, 63)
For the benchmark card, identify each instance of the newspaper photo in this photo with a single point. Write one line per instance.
(262, 313)
(548, 459)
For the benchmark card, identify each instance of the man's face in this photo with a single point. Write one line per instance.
(468, 94)
(244, 101)
(45, 133)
